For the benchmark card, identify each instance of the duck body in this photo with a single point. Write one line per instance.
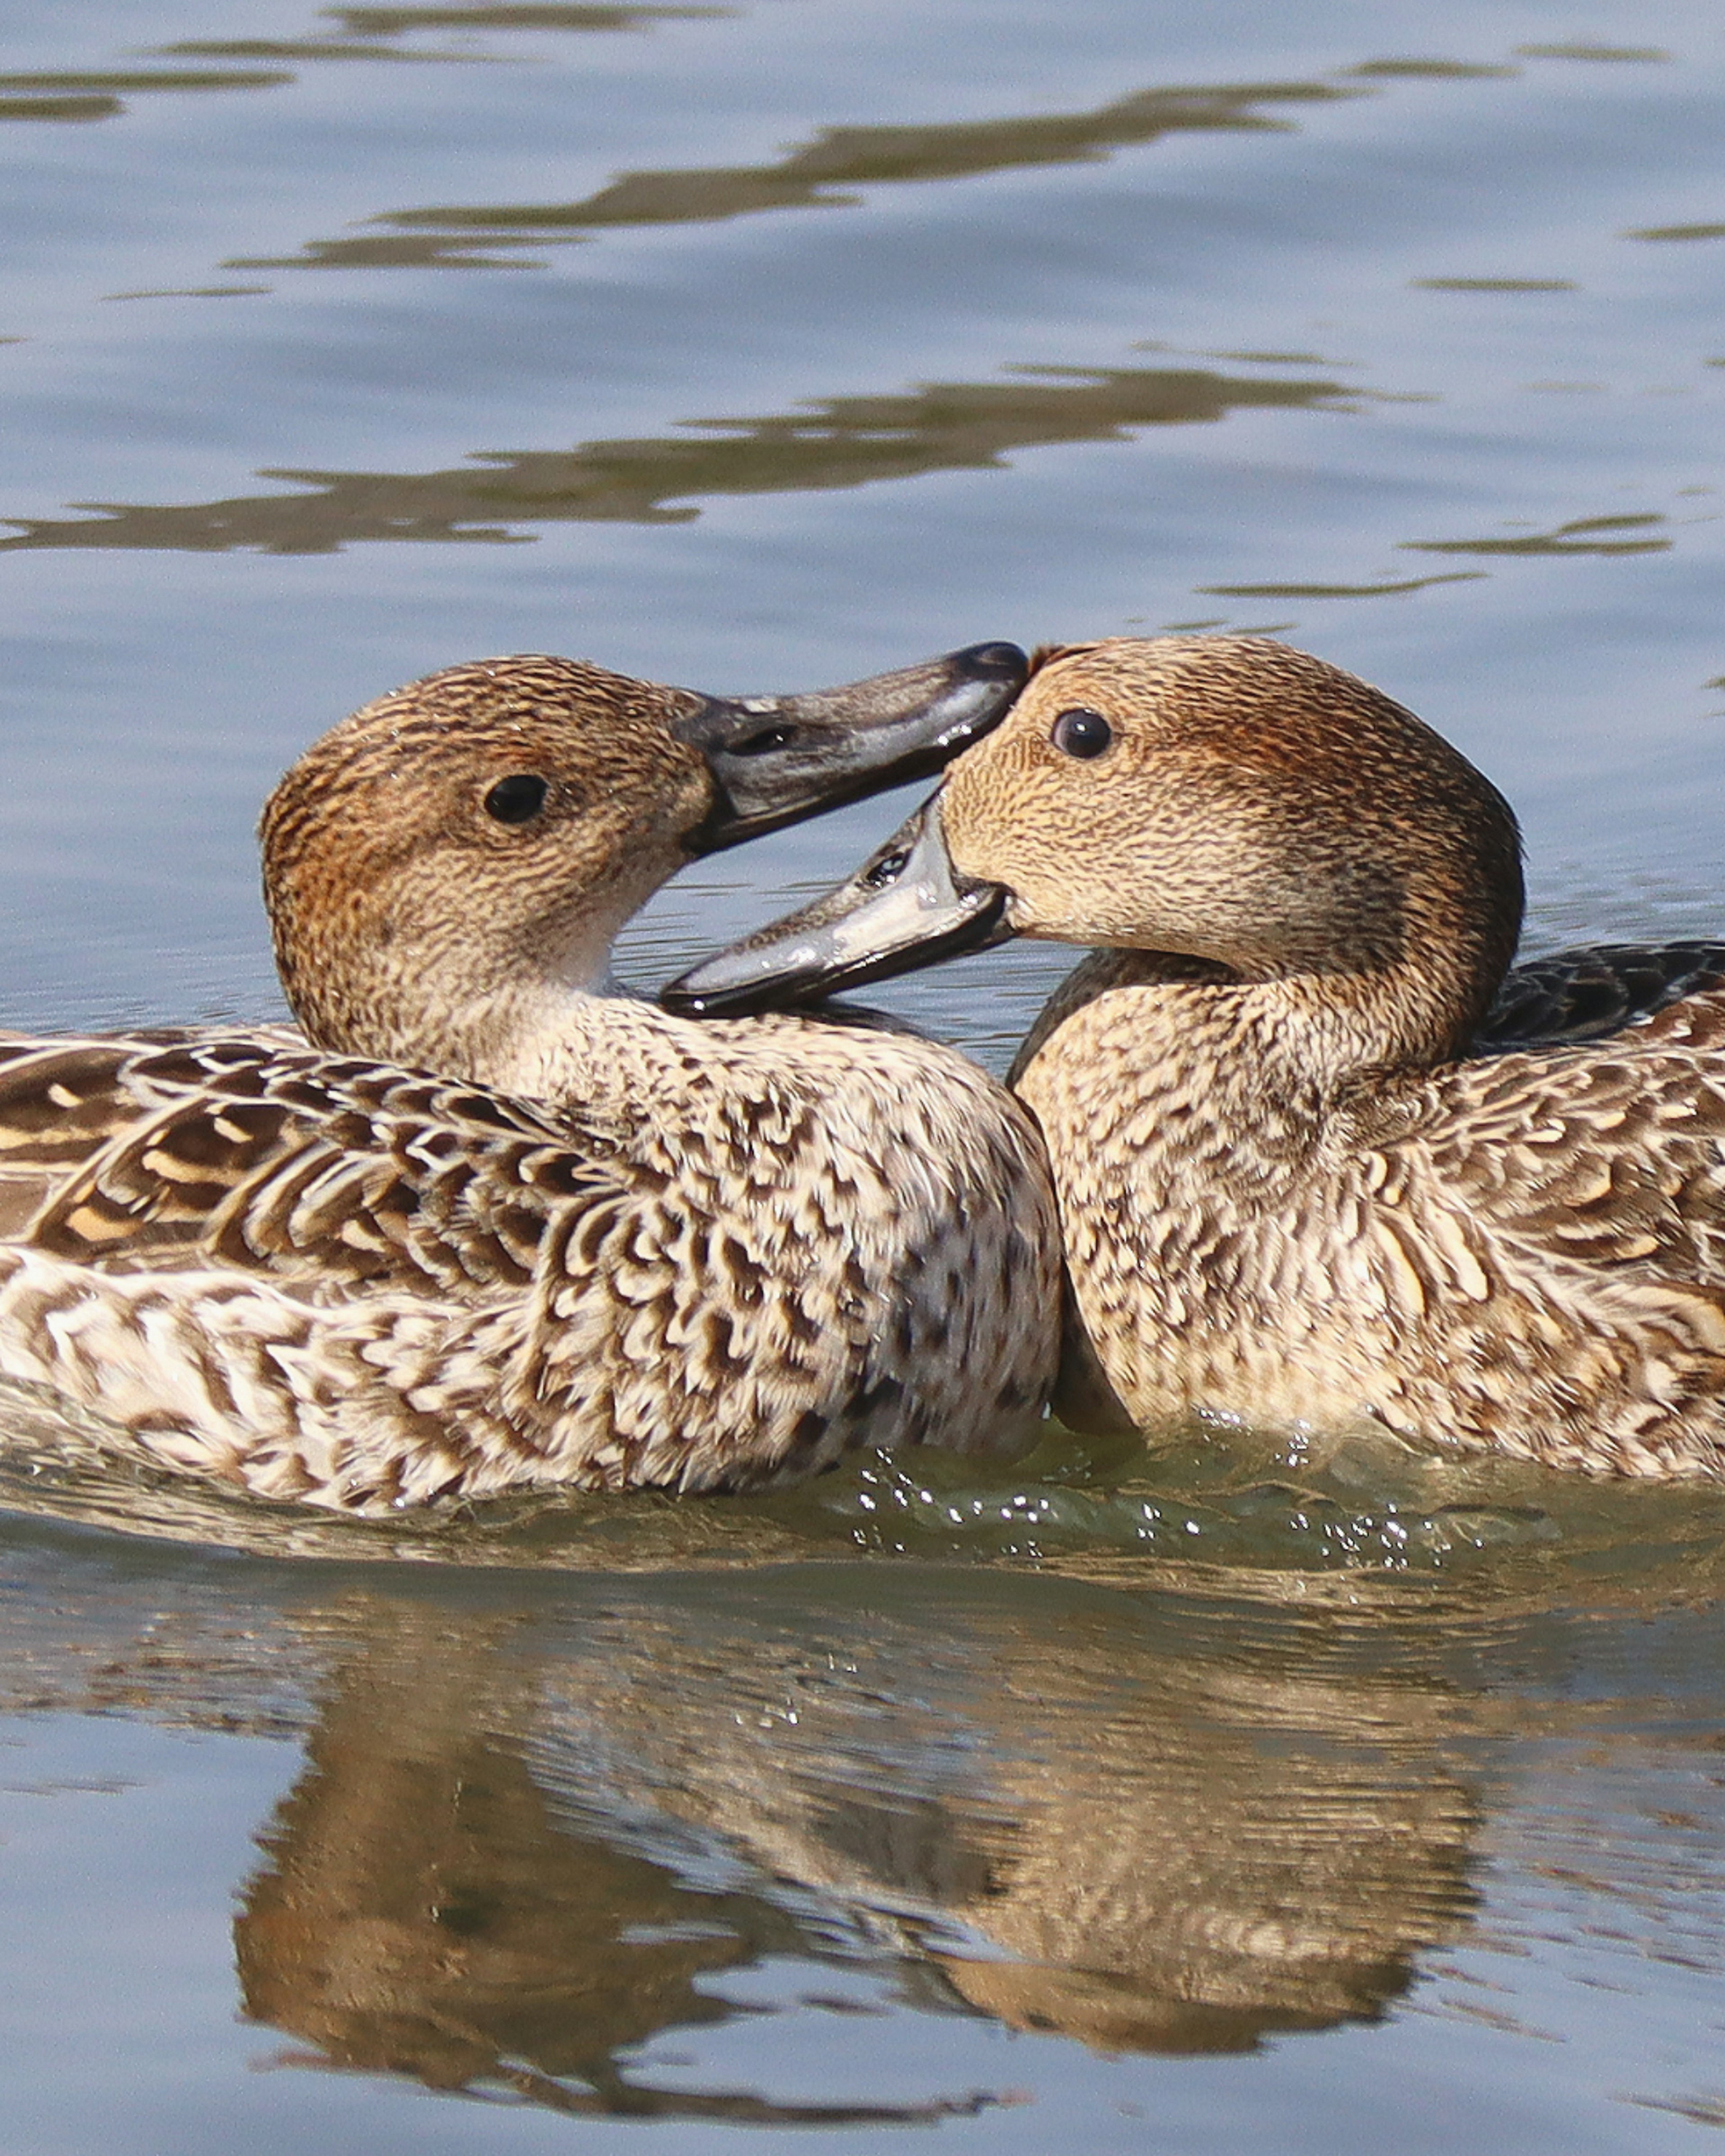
(1316, 1157)
(1520, 1254)
(722, 1258)
(481, 1225)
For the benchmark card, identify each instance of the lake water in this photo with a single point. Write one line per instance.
(1204, 1802)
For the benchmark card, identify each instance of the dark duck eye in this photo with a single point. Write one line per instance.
(1081, 733)
(518, 798)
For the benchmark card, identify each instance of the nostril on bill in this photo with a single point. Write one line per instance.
(887, 870)
(765, 742)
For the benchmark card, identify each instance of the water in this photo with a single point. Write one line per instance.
(1194, 1801)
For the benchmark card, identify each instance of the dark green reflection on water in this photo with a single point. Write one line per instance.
(59, 106)
(1493, 284)
(1411, 70)
(1678, 232)
(105, 80)
(1583, 51)
(99, 93)
(1389, 589)
(397, 21)
(819, 175)
(835, 442)
(1583, 535)
(301, 48)
(363, 23)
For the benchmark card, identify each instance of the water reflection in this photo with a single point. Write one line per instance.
(1387, 587)
(1489, 284)
(59, 105)
(1107, 1822)
(1678, 232)
(362, 26)
(423, 1909)
(1581, 50)
(300, 49)
(831, 442)
(1413, 71)
(398, 22)
(817, 175)
(530, 1843)
(1582, 535)
(557, 1827)
(99, 93)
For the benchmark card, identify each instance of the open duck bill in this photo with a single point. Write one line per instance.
(777, 759)
(906, 908)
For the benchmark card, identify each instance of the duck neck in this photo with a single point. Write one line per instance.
(1195, 1082)
(514, 1034)
(1311, 1031)
(478, 1004)
(521, 1038)
(600, 1050)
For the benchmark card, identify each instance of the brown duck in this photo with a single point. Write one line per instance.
(485, 1225)
(1306, 1172)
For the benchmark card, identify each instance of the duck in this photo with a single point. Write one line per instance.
(1323, 1160)
(479, 1222)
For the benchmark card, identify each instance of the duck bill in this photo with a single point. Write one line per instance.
(905, 908)
(777, 759)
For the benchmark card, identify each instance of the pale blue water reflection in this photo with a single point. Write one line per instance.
(1208, 1802)
(1156, 1860)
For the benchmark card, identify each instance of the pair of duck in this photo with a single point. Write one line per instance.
(1315, 1153)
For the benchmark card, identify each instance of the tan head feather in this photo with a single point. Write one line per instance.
(441, 864)
(1254, 808)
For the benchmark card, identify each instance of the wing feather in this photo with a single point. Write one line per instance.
(140, 1154)
(1567, 1206)
(1593, 991)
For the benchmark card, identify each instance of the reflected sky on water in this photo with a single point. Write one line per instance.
(1206, 1799)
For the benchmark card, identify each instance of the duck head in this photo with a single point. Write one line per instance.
(447, 867)
(1239, 810)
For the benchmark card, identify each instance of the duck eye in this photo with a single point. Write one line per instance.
(1081, 733)
(518, 798)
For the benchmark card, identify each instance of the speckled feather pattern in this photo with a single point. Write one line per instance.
(604, 1247)
(1312, 1162)
(1590, 993)
(748, 1249)
(1526, 1254)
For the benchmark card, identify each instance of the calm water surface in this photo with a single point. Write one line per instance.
(1200, 1801)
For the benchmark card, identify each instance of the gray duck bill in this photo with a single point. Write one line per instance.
(906, 907)
(777, 759)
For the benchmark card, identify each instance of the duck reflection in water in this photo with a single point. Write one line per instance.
(514, 1859)
(428, 1908)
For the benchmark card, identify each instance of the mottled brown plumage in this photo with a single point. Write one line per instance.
(1307, 1169)
(1283, 1197)
(601, 1246)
